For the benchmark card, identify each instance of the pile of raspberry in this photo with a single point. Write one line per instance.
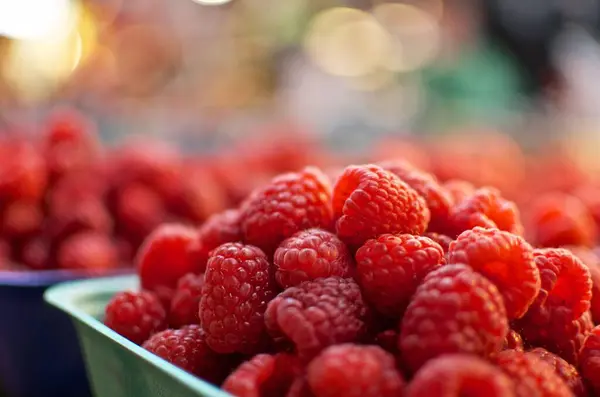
(381, 281)
(69, 202)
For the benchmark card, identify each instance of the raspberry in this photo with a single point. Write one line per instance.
(85, 215)
(557, 219)
(566, 282)
(23, 174)
(311, 254)
(454, 310)
(438, 200)
(455, 375)
(36, 254)
(237, 288)
(531, 375)
(139, 210)
(443, 240)
(135, 315)
(369, 201)
(513, 341)
(566, 371)
(589, 360)
(218, 229)
(187, 349)
(317, 314)
(263, 376)
(554, 332)
(289, 203)
(300, 388)
(186, 300)
(503, 258)
(459, 189)
(592, 261)
(163, 258)
(87, 251)
(354, 371)
(21, 219)
(488, 209)
(390, 268)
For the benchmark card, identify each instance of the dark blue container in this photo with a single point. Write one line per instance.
(39, 351)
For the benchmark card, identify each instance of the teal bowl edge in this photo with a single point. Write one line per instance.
(64, 296)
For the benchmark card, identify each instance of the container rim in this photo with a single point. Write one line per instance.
(41, 278)
(65, 296)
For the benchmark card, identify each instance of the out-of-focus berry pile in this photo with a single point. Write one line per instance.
(458, 267)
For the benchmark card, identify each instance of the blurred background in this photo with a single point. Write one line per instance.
(203, 71)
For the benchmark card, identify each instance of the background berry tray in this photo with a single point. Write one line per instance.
(39, 354)
(117, 367)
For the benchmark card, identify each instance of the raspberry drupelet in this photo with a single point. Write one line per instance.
(311, 254)
(454, 310)
(369, 201)
(288, 204)
(390, 268)
(186, 300)
(237, 287)
(503, 258)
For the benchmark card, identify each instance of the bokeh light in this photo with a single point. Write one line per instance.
(31, 19)
(211, 2)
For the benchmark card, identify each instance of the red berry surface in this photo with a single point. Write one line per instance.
(557, 219)
(135, 315)
(503, 258)
(589, 360)
(186, 301)
(186, 348)
(317, 314)
(88, 251)
(566, 284)
(459, 189)
(592, 261)
(454, 310)
(217, 230)
(513, 341)
(531, 375)
(566, 371)
(438, 200)
(442, 239)
(486, 208)
(238, 285)
(289, 203)
(349, 370)
(311, 254)
(456, 375)
(390, 268)
(164, 257)
(369, 201)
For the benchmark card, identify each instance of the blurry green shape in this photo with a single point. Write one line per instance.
(482, 85)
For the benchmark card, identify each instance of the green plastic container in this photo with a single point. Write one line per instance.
(117, 367)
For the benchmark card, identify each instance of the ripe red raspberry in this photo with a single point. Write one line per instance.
(300, 388)
(311, 254)
(21, 219)
(219, 229)
(369, 201)
(187, 349)
(85, 215)
(589, 360)
(87, 251)
(135, 315)
(317, 314)
(554, 332)
(456, 375)
(23, 174)
(531, 375)
(37, 254)
(186, 301)
(263, 376)
(390, 268)
(592, 261)
(454, 310)
(566, 283)
(237, 288)
(557, 219)
(349, 370)
(459, 189)
(443, 240)
(289, 203)
(488, 209)
(513, 341)
(566, 371)
(438, 200)
(139, 210)
(503, 258)
(164, 258)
